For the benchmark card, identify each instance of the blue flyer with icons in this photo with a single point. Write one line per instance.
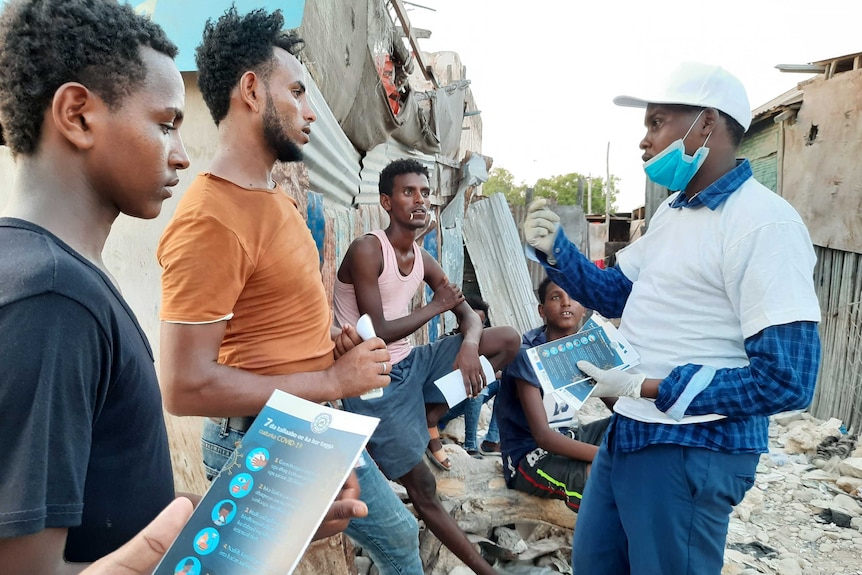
(555, 362)
(263, 509)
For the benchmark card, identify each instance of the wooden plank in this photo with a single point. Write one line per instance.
(401, 12)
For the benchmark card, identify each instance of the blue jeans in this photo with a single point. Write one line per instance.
(389, 533)
(662, 509)
(470, 409)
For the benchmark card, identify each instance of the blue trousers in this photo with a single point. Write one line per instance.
(659, 510)
(390, 533)
(470, 408)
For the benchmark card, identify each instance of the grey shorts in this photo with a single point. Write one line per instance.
(401, 437)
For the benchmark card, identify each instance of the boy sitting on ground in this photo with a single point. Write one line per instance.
(538, 459)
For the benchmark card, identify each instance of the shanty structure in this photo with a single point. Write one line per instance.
(804, 145)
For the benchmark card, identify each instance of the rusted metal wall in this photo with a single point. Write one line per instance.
(822, 175)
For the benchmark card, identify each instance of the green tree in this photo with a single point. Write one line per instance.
(503, 181)
(564, 190)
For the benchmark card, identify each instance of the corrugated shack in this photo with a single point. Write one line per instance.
(805, 145)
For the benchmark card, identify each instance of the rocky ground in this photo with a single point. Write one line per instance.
(804, 514)
(802, 517)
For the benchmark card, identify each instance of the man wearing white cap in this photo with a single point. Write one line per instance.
(718, 299)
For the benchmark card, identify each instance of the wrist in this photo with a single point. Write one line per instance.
(649, 388)
(436, 308)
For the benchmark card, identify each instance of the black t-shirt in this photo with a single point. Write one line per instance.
(85, 440)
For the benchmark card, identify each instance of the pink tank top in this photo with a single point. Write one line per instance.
(396, 293)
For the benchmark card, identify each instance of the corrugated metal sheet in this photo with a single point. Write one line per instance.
(788, 98)
(315, 219)
(761, 148)
(429, 242)
(452, 256)
(333, 163)
(501, 270)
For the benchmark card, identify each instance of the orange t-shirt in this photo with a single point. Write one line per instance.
(245, 256)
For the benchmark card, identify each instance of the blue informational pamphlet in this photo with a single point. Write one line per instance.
(555, 362)
(263, 509)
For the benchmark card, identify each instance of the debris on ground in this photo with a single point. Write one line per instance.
(802, 517)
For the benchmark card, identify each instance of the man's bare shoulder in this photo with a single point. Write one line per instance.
(365, 246)
(365, 253)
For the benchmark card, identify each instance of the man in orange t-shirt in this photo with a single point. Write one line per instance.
(244, 311)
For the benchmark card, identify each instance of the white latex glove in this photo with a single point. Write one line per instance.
(613, 382)
(540, 226)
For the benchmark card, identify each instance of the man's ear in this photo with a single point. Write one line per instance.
(74, 110)
(386, 202)
(251, 91)
(542, 312)
(709, 120)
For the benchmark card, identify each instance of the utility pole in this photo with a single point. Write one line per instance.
(590, 194)
(608, 187)
(581, 192)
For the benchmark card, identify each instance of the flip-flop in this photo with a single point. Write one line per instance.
(442, 463)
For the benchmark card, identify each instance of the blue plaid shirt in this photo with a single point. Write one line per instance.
(783, 359)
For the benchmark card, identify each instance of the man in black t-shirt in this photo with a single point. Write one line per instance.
(92, 124)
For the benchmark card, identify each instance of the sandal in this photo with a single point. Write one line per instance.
(437, 456)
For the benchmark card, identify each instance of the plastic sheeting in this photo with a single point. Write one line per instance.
(344, 44)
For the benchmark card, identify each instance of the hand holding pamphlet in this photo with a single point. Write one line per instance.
(598, 342)
(452, 384)
(263, 509)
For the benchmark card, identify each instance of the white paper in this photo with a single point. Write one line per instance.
(452, 384)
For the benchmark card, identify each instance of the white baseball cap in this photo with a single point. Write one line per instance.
(701, 85)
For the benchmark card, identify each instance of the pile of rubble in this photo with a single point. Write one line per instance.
(804, 514)
(802, 517)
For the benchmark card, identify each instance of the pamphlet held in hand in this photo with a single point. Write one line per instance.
(263, 509)
(555, 362)
(452, 384)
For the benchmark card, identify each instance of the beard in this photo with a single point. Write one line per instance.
(275, 135)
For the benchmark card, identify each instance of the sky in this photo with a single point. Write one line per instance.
(544, 73)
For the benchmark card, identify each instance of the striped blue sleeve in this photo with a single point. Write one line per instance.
(781, 375)
(605, 291)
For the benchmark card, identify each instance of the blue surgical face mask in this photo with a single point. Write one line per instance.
(672, 167)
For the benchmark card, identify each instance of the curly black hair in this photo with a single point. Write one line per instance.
(398, 168)
(46, 43)
(542, 290)
(234, 45)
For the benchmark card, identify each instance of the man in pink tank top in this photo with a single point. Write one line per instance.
(379, 276)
